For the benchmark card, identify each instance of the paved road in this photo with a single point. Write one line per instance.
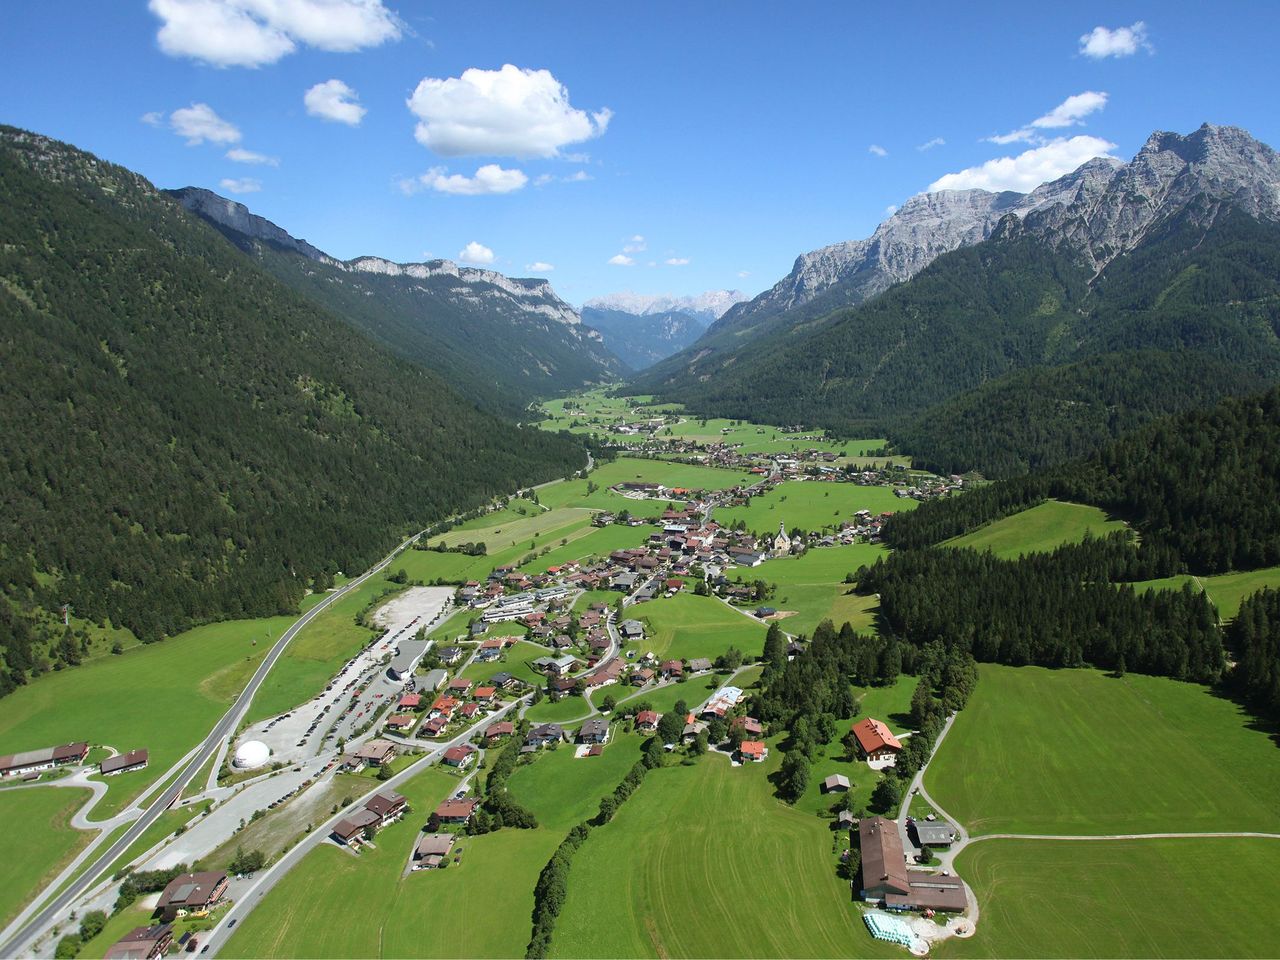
(54, 910)
(265, 880)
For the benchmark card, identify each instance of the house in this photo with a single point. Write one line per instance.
(671, 668)
(459, 757)
(401, 721)
(47, 758)
(443, 707)
(845, 820)
(544, 734)
(374, 753)
(459, 685)
(836, 783)
(450, 655)
(750, 726)
(699, 664)
(435, 726)
(631, 630)
(939, 834)
(642, 676)
(142, 943)
(752, 750)
(431, 850)
(885, 876)
(410, 701)
(389, 806)
(431, 681)
(605, 675)
(123, 763)
(673, 585)
(503, 728)
(594, 730)
(875, 742)
(647, 720)
(626, 582)
(191, 892)
(490, 649)
(485, 694)
(505, 680)
(456, 811)
(558, 666)
(350, 830)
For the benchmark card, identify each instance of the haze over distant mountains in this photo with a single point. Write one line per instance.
(644, 328)
(970, 308)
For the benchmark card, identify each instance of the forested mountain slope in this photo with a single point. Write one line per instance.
(184, 438)
(501, 342)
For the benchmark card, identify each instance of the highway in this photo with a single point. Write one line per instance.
(53, 912)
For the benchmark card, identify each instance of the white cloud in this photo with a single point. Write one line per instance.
(198, 123)
(743, 274)
(930, 144)
(636, 244)
(1027, 170)
(240, 155)
(676, 261)
(621, 260)
(539, 266)
(580, 177)
(490, 178)
(890, 210)
(250, 33)
(878, 150)
(1120, 42)
(240, 185)
(334, 100)
(154, 118)
(543, 179)
(1069, 113)
(508, 112)
(475, 253)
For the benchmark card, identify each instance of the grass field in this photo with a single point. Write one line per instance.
(1226, 590)
(38, 843)
(703, 862)
(1079, 752)
(574, 493)
(812, 505)
(686, 626)
(594, 542)
(515, 661)
(1039, 529)
(558, 711)
(540, 528)
(480, 908)
(812, 585)
(1116, 898)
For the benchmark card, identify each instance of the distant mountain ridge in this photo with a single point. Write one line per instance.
(1117, 293)
(503, 341)
(644, 328)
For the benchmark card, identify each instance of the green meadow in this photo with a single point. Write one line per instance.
(687, 625)
(811, 587)
(1038, 529)
(337, 905)
(1119, 898)
(703, 861)
(575, 493)
(1226, 590)
(1081, 752)
(38, 843)
(812, 505)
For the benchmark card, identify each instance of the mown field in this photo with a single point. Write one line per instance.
(1120, 898)
(575, 493)
(1038, 530)
(515, 661)
(335, 905)
(702, 861)
(812, 505)
(38, 841)
(812, 586)
(1081, 752)
(1226, 590)
(687, 626)
(599, 542)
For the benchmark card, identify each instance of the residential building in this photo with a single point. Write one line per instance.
(836, 783)
(752, 750)
(350, 830)
(142, 943)
(875, 742)
(885, 876)
(191, 893)
(432, 850)
(456, 811)
(123, 763)
(389, 806)
(459, 757)
(32, 761)
(594, 730)
(544, 734)
(647, 720)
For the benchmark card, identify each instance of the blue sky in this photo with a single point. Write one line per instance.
(729, 136)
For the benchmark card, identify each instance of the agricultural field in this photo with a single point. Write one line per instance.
(540, 527)
(597, 542)
(38, 842)
(684, 868)
(450, 913)
(515, 661)
(1038, 529)
(575, 493)
(811, 586)
(687, 626)
(1225, 590)
(1080, 752)
(1119, 898)
(811, 505)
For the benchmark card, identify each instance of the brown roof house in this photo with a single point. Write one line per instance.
(191, 893)
(123, 763)
(885, 876)
(350, 830)
(432, 850)
(875, 742)
(142, 943)
(456, 811)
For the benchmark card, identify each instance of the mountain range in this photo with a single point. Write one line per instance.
(1116, 293)
(643, 329)
(500, 341)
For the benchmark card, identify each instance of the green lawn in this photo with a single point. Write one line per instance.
(1118, 898)
(594, 542)
(812, 586)
(566, 708)
(687, 625)
(812, 505)
(1080, 752)
(515, 661)
(38, 843)
(335, 905)
(574, 493)
(1226, 590)
(702, 861)
(1039, 529)
(539, 528)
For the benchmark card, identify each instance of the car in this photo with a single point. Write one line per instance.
(230, 924)
(205, 948)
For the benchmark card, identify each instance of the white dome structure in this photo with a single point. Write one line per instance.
(251, 754)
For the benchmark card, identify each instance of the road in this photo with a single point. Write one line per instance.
(51, 913)
(265, 880)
